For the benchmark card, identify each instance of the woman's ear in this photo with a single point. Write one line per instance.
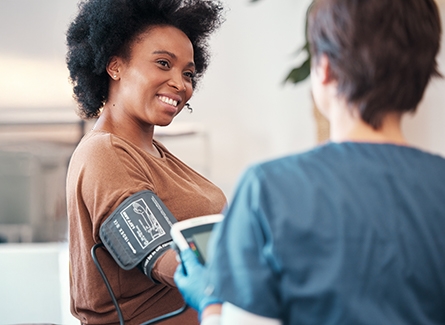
(113, 67)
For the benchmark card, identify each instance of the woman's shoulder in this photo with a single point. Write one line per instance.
(96, 143)
(105, 149)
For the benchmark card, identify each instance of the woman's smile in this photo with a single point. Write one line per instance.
(168, 101)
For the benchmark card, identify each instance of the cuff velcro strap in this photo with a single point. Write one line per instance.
(140, 226)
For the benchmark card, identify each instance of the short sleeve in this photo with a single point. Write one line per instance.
(242, 267)
(103, 173)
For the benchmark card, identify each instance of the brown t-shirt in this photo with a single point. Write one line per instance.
(104, 170)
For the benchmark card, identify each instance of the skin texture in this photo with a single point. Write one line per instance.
(160, 68)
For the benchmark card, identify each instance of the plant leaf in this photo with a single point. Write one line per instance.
(300, 73)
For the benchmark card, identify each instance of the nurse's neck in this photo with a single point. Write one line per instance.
(347, 125)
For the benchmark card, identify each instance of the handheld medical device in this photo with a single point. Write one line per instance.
(194, 233)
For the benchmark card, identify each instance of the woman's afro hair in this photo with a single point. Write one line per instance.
(104, 28)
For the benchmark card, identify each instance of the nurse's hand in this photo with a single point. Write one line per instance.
(192, 282)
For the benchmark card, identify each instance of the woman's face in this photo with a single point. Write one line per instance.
(155, 83)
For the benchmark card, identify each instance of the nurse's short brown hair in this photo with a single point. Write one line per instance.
(382, 53)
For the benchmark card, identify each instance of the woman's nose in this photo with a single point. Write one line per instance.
(177, 81)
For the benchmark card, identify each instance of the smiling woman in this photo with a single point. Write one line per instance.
(134, 65)
(149, 89)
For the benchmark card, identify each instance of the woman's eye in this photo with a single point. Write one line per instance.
(164, 63)
(189, 75)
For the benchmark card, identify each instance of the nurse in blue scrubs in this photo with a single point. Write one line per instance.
(351, 232)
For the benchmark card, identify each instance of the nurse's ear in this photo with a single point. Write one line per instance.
(322, 68)
(114, 67)
(323, 84)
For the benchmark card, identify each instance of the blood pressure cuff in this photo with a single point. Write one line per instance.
(138, 230)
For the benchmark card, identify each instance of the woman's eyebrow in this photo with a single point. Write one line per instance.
(173, 56)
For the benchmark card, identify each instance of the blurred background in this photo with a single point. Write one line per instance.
(243, 113)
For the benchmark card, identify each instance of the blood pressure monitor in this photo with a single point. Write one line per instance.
(194, 233)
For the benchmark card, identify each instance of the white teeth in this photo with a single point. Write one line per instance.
(168, 101)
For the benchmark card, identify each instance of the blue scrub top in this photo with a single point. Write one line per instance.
(349, 233)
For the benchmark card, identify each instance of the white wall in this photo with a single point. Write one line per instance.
(32, 53)
(426, 129)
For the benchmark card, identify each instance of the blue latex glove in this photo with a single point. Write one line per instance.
(193, 283)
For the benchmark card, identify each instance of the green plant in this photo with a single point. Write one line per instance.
(302, 71)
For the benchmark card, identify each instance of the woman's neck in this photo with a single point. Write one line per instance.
(127, 129)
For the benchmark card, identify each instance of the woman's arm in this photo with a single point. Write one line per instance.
(164, 268)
